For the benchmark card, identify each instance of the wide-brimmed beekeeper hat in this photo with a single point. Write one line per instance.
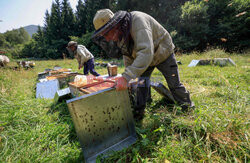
(71, 43)
(105, 20)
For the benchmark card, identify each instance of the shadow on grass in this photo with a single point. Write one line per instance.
(158, 124)
(65, 117)
(165, 106)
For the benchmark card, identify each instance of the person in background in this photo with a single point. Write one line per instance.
(145, 45)
(84, 57)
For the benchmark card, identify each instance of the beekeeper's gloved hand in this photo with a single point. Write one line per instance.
(121, 84)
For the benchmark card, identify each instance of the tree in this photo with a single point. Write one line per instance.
(59, 25)
(124, 5)
(38, 44)
(193, 24)
(55, 21)
(80, 14)
(2, 40)
(24, 35)
(91, 8)
(16, 36)
(68, 20)
(193, 30)
(46, 28)
(226, 29)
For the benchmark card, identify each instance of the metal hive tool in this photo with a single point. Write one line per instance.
(103, 121)
(162, 90)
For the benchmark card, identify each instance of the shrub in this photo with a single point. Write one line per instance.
(88, 43)
(193, 30)
(16, 52)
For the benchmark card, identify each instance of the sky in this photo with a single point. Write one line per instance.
(19, 13)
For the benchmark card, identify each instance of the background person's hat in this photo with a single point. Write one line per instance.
(71, 43)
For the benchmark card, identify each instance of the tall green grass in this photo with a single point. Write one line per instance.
(36, 130)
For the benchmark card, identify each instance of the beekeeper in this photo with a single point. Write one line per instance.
(84, 57)
(144, 45)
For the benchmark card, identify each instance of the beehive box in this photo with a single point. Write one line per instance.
(75, 87)
(97, 87)
(59, 71)
(47, 89)
(63, 78)
(103, 121)
(91, 85)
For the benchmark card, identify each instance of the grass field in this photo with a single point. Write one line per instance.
(36, 130)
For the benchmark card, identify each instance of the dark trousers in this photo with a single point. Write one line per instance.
(169, 69)
(90, 66)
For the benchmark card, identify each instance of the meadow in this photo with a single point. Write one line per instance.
(217, 130)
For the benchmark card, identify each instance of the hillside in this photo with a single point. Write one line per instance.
(31, 29)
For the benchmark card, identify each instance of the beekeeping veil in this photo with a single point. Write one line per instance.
(104, 21)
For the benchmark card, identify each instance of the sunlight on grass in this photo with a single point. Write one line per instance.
(36, 130)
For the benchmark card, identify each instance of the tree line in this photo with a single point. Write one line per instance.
(193, 24)
(13, 37)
